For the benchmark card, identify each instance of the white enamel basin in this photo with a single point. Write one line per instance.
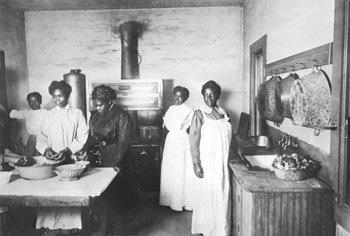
(263, 161)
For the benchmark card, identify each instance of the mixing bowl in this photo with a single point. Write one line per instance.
(5, 177)
(38, 167)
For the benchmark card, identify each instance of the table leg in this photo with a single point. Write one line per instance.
(86, 221)
(103, 218)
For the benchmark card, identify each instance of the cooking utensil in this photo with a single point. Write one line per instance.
(310, 100)
(37, 167)
(5, 177)
(282, 95)
(261, 141)
(149, 133)
(266, 101)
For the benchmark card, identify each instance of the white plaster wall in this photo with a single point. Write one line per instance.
(291, 26)
(186, 47)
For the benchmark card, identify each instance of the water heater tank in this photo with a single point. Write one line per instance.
(77, 81)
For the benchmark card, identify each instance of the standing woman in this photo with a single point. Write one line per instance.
(176, 185)
(210, 138)
(110, 127)
(64, 132)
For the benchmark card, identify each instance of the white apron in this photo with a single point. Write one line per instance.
(176, 187)
(212, 211)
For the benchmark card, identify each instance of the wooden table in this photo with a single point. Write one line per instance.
(83, 193)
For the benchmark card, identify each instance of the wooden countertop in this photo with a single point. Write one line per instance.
(266, 181)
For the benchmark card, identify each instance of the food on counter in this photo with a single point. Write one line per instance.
(41, 164)
(295, 162)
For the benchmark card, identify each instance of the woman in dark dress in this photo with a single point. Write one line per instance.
(110, 128)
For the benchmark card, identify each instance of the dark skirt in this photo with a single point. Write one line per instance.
(122, 194)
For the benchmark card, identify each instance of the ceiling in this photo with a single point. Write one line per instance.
(60, 5)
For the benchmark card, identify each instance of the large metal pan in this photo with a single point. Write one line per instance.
(310, 100)
(282, 95)
(266, 101)
(149, 133)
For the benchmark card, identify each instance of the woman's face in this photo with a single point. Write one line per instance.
(59, 98)
(102, 107)
(210, 97)
(34, 102)
(178, 98)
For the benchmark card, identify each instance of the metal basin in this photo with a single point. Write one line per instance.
(262, 161)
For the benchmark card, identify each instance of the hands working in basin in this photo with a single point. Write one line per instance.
(13, 158)
(52, 155)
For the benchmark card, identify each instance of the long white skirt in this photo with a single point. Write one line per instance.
(177, 176)
(212, 209)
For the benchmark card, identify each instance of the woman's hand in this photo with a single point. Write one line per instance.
(18, 160)
(198, 170)
(81, 155)
(49, 154)
(61, 154)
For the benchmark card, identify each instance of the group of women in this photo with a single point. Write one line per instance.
(198, 145)
(194, 173)
(65, 133)
(66, 136)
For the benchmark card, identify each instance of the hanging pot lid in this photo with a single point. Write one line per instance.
(310, 100)
(266, 101)
(282, 95)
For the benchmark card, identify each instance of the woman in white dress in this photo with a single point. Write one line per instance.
(210, 139)
(176, 186)
(64, 133)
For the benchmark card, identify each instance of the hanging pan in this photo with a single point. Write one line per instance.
(282, 95)
(310, 100)
(266, 101)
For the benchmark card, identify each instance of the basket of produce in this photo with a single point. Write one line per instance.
(294, 167)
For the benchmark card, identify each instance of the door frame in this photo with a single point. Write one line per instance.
(340, 112)
(258, 47)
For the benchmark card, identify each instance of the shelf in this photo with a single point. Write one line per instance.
(318, 56)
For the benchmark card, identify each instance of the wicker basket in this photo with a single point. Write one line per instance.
(293, 175)
(69, 172)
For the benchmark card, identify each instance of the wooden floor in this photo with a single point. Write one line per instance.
(162, 221)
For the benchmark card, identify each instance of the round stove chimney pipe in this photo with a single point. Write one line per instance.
(129, 39)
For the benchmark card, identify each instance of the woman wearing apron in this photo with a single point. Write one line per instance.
(177, 177)
(210, 139)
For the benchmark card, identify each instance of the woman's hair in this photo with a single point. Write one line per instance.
(184, 91)
(34, 94)
(212, 85)
(66, 88)
(103, 93)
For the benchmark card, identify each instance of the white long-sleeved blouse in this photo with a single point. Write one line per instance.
(62, 128)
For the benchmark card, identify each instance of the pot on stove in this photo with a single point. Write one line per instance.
(149, 133)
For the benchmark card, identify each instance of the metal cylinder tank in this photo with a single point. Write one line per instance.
(77, 81)
(129, 61)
